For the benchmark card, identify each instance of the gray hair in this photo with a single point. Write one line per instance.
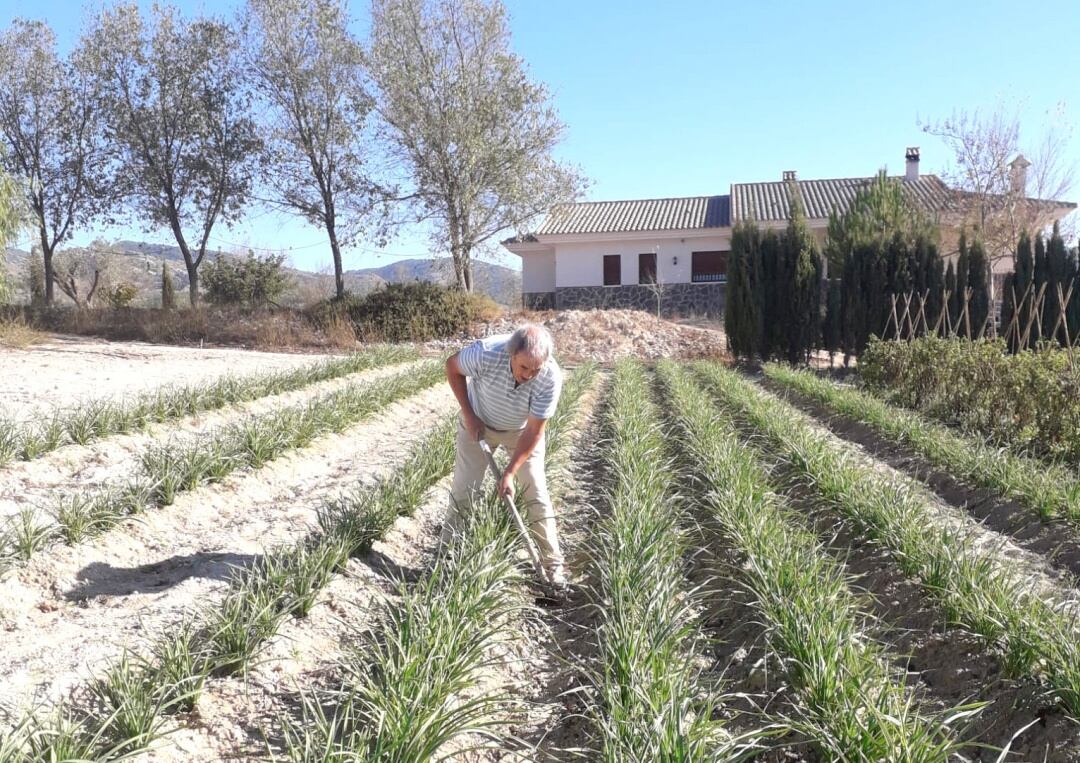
(535, 341)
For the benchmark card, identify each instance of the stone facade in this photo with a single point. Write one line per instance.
(538, 300)
(681, 299)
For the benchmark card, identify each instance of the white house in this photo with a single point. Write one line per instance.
(636, 253)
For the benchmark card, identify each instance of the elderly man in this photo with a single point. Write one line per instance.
(508, 387)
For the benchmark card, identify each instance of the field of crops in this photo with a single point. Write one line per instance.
(769, 567)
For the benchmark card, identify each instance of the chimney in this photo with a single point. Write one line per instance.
(912, 157)
(789, 175)
(1018, 175)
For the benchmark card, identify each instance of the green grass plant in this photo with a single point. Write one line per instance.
(170, 469)
(283, 583)
(404, 695)
(101, 418)
(647, 685)
(1033, 629)
(852, 703)
(1051, 490)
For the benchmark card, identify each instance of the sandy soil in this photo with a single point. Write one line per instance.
(65, 370)
(236, 714)
(80, 468)
(71, 609)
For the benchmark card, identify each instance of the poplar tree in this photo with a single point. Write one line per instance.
(52, 128)
(473, 133)
(179, 119)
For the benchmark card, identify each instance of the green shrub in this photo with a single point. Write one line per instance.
(251, 281)
(121, 295)
(1029, 402)
(404, 312)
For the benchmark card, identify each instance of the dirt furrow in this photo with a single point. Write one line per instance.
(66, 370)
(1056, 541)
(70, 609)
(948, 666)
(79, 468)
(237, 716)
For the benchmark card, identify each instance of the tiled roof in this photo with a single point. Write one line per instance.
(766, 202)
(640, 215)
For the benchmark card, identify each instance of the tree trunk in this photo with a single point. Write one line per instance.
(47, 256)
(193, 283)
(191, 264)
(335, 250)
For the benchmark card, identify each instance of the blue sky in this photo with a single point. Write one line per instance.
(685, 98)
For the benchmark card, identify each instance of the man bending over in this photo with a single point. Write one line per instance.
(508, 387)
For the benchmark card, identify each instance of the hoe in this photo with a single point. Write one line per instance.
(549, 594)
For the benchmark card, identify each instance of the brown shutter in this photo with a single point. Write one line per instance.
(612, 269)
(646, 264)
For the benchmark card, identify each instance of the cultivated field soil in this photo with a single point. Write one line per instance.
(82, 609)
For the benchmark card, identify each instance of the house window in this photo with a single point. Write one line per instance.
(612, 269)
(646, 267)
(708, 266)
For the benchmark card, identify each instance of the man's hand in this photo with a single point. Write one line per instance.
(474, 425)
(505, 488)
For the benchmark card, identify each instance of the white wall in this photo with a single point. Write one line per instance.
(583, 264)
(537, 272)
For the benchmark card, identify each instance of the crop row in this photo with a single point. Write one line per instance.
(168, 470)
(852, 703)
(136, 694)
(1051, 490)
(646, 682)
(412, 687)
(1034, 630)
(101, 418)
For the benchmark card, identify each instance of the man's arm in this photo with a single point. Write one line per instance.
(458, 383)
(527, 442)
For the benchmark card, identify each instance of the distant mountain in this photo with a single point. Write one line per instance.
(140, 264)
(499, 282)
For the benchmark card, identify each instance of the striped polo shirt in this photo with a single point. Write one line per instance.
(499, 401)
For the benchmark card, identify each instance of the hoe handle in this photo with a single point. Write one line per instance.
(534, 554)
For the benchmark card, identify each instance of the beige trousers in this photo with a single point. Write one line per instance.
(469, 468)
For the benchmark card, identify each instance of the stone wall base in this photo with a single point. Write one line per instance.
(538, 300)
(676, 299)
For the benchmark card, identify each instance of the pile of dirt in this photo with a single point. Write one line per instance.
(609, 335)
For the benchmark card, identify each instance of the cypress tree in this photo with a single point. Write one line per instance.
(1038, 281)
(1073, 308)
(742, 310)
(979, 283)
(803, 270)
(832, 338)
(1023, 279)
(950, 287)
(168, 292)
(963, 268)
(1007, 308)
(775, 296)
(935, 285)
(1057, 277)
